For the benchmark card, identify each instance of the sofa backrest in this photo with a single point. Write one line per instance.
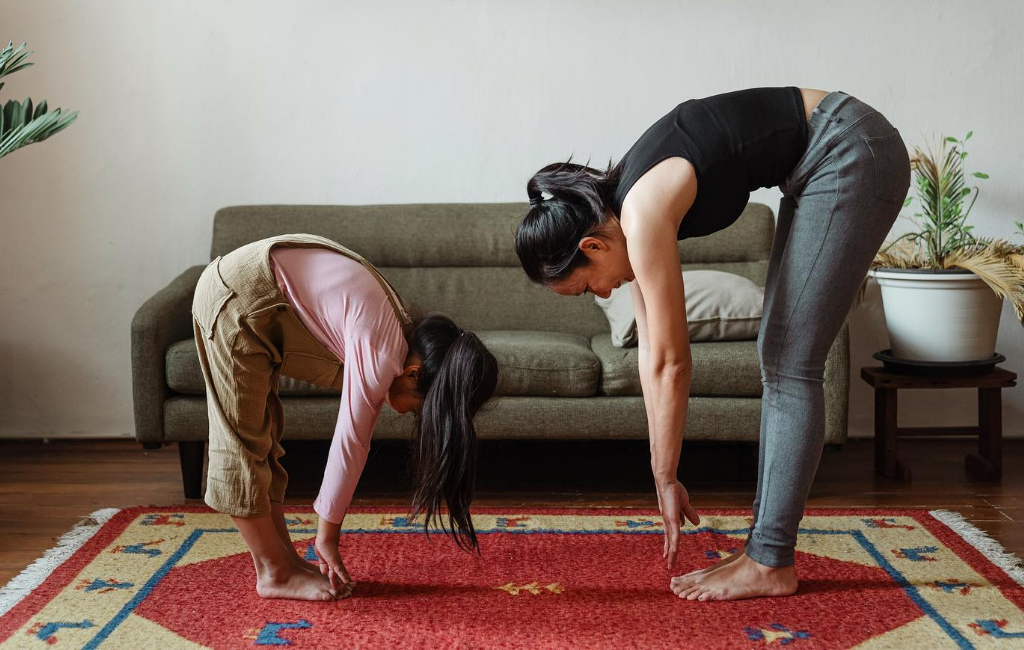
(459, 258)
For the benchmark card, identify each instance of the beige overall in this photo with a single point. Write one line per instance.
(247, 336)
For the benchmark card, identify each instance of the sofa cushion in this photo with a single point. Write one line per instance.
(550, 364)
(530, 363)
(720, 306)
(720, 368)
(185, 376)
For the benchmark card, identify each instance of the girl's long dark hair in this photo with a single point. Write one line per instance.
(548, 236)
(457, 375)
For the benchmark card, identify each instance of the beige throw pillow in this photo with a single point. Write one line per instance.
(720, 306)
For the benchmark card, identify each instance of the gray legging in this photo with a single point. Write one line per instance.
(838, 205)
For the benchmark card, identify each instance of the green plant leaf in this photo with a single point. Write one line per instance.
(951, 139)
(36, 130)
(10, 58)
(22, 123)
(907, 201)
(969, 134)
(980, 175)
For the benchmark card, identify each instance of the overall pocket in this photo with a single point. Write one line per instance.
(297, 351)
(891, 164)
(210, 297)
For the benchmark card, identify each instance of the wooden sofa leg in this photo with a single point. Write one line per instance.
(151, 446)
(191, 454)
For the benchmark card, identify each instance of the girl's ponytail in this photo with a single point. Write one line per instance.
(457, 375)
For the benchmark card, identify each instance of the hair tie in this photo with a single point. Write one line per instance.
(536, 200)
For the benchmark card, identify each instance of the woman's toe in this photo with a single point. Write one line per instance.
(685, 593)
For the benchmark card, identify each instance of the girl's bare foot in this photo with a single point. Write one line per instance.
(300, 563)
(294, 583)
(277, 515)
(278, 573)
(344, 592)
(742, 578)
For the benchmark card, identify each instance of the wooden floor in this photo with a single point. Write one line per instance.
(47, 487)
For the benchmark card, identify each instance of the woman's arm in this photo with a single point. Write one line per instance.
(643, 348)
(664, 353)
(664, 357)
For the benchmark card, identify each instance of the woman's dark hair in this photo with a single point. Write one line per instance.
(457, 375)
(547, 239)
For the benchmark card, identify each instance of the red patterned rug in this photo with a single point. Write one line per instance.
(181, 578)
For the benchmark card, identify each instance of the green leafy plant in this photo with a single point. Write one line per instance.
(20, 123)
(941, 187)
(943, 240)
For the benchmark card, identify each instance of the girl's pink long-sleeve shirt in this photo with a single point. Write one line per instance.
(344, 307)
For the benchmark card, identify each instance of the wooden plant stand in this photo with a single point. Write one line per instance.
(986, 464)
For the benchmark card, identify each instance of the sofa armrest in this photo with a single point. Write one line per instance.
(837, 388)
(163, 319)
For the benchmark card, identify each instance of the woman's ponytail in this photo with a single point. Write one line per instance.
(547, 238)
(457, 375)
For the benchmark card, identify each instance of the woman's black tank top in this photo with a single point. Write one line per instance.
(737, 142)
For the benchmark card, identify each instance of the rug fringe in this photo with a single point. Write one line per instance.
(979, 539)
(34, 575)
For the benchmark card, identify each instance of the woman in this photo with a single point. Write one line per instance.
(844, 172)
(308, 308)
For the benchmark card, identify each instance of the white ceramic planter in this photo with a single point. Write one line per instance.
(947, 315)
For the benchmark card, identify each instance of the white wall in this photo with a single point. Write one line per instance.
(190, 106)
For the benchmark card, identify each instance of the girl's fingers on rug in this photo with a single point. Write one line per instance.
(325, 569)
(343, 593)
(344, 573)
(330, 557)
(339, 572)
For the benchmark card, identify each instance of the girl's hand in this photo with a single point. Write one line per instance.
(330, 562)
(674, 503)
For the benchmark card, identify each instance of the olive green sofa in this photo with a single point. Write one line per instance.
(560, 375)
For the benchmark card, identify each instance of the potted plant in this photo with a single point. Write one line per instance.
(20, 124)
(942, 287)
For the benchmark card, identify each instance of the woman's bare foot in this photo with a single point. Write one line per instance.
(742, 578)
(686, 579)
(294, 583)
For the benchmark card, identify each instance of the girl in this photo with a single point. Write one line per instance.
(844, 172)
(308, 308)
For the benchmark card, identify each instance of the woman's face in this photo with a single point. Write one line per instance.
(608, 267)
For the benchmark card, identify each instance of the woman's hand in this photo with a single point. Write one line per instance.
(330, 558)
(674, 504)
